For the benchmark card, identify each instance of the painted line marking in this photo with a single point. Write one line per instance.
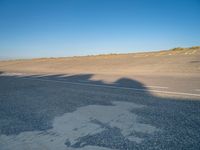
(152, 86)
(116, 87)
(159, 87)
(85, 81)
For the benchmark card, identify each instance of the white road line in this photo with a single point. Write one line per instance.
(116, 87)
(159, 87)
(84, 81)
(149, 86)
(152, 86)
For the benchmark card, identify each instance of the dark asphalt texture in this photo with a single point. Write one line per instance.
(31, 105)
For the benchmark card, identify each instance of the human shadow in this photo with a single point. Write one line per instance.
(30, 103)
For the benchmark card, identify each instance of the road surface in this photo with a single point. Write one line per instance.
(80, 112)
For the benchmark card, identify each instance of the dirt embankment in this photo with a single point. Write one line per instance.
(175, 61)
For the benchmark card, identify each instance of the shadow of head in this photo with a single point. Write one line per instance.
(126, 82)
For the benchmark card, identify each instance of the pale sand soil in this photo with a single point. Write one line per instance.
(176, 62)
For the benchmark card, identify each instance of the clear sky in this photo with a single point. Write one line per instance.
(52, 28)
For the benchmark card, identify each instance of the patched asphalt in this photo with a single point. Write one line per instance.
(31, 109)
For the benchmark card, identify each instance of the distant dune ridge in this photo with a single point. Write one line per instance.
(174, 61)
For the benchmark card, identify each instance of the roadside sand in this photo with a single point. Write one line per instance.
(178, 61)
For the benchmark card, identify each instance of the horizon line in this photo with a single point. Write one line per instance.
(91, 55)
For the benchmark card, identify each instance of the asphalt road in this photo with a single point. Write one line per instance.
(75, 112)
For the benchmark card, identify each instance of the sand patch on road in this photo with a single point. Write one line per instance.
(77, 129)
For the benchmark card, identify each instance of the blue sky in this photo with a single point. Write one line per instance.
(53, 28)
